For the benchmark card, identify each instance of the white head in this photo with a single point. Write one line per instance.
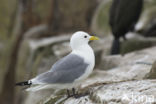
(80, 38)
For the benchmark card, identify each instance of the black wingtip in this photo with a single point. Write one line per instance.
(23, 83)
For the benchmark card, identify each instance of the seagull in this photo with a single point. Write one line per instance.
(69, 71)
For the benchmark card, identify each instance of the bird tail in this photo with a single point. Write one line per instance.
(23, 83)
(115, 46)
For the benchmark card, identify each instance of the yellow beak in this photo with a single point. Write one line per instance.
(94, 38)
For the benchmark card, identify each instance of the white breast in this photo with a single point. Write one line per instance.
(87, 53)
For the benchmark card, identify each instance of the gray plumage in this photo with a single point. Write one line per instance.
(65, 70)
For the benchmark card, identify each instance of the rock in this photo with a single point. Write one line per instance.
(109, 62)
(150, 31)
(36, 32)
(130, 92)
(126, 92)
(82, 100)
(136, 43)
(148, 16)
(152, 74)
(45, 42)
(147, 55)
(37, 96)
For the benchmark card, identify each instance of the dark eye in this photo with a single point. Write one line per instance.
(85, 36)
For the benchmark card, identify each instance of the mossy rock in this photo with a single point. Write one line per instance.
(135, 44)
(152, 74)
(59, 95)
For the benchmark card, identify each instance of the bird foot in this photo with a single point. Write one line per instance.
(76, 95)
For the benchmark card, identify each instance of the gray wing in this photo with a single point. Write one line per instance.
(65, 70)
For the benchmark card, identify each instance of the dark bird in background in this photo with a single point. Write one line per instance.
(122, 18)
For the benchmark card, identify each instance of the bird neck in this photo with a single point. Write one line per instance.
(83, 48)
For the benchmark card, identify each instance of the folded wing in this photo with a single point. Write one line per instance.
(65, 70)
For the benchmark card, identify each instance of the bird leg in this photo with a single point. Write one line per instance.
(76, 94)
(68, 94)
